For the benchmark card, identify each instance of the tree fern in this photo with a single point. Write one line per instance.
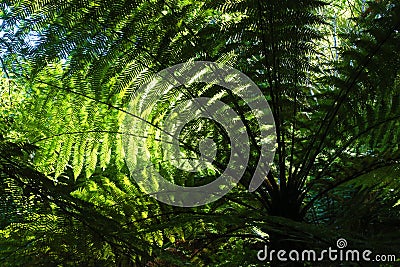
(335, 110)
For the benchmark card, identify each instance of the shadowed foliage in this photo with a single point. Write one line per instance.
(329, 71)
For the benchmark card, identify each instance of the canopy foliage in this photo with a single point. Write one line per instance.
(330, 72)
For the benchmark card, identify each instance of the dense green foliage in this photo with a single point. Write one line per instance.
(329, 70)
